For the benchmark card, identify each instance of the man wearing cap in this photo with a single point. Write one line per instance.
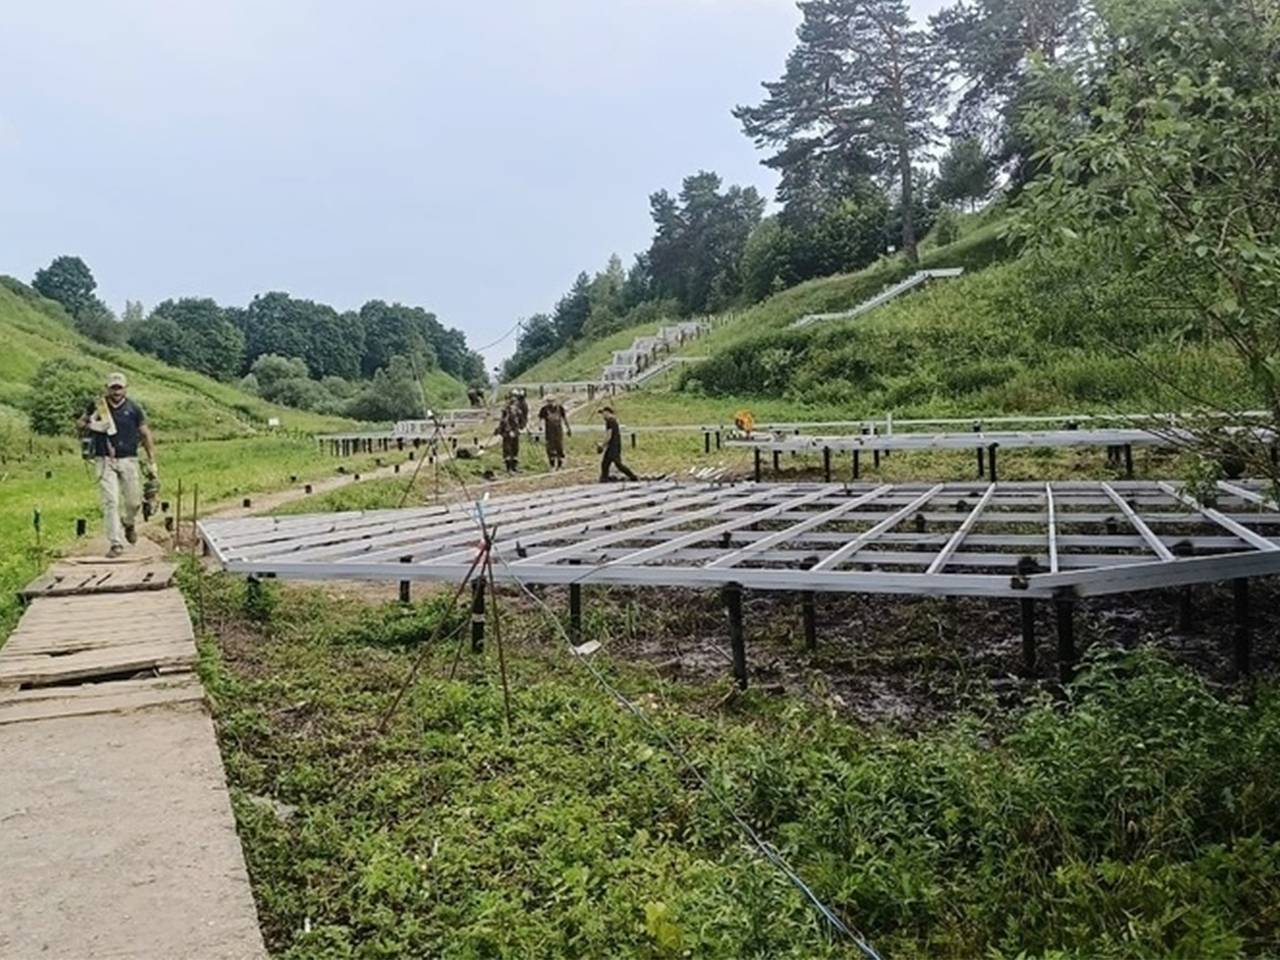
(115, 425)
(555, 426)
(612, 447)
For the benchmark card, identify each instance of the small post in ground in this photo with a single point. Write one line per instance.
(575, 614)
(826, 464)
(809, 613)
(756, 451)
(1064, 605)
(1244, 626)
(1027, 608)
(404, 584)
(737, 639)
(991, 458)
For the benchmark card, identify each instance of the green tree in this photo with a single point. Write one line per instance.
(699, 241)
(1176, 179)
(863, 83)
(194, 333)
(69, 281)
(61, 390)
(965, 172)
(573, 310)
(133, 313)
(394, 330)
(994, 47)
(393, 394)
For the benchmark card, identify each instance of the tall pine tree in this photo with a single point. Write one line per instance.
(863, 82)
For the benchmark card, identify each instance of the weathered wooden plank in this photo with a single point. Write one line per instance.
(117, 696)
(71, 579)
(36, 670)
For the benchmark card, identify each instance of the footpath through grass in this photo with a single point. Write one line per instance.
(1141, 819)
(224, 470)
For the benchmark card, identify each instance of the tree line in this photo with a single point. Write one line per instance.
(364, 363)
(878, 126)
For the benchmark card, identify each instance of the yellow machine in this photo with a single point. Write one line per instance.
(744, 421)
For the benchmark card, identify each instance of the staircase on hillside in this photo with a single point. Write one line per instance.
(884, 296)
(638, 362)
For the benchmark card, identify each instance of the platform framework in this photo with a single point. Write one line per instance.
(1056, 541)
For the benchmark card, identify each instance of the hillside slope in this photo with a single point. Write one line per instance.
(182, 403)
(982, 246)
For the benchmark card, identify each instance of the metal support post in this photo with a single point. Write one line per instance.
(991, 458)
(733, 600)
(404, 584)
(982, 462)
(575, 614)
(706, 441)
(1064, 605)
(856, 470)
(1128, 460)
(776, 463)
(826, 464)
(1028, 611)
(875, 458)
(1184, 610)
(756, 451)
(1244, 626)
(809, 611)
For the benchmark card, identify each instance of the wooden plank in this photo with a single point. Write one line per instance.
(74, 579)
(121, 696)
(45, 670)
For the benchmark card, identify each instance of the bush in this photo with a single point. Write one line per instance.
(61, 390)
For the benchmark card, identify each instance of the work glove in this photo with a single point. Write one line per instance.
(151, 471)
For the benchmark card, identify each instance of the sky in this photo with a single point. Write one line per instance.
(466, 157)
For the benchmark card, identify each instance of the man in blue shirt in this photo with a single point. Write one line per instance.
(115, 425)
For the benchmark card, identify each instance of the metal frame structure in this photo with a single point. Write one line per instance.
(1054, 541)
(1119, 442)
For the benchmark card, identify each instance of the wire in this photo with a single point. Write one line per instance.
(767, 849)
(499, 340)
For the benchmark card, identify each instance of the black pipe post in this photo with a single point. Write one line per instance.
(1128, 460)
(756, 451)
(1184, 610)
(991, 451)
(1064, 605)
(80, 526)
(477, 615)
(875, 458)
(856, 467)
(1028, 610)
(706, 441)
(982, 462)
(776, 463)
(737, 640)
(575, 614)
(717, 438)
(404, 584)
(633, 439)
(809, 611)
(1244, 627)
(826, 464)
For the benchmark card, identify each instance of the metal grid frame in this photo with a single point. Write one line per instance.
(1020, 539)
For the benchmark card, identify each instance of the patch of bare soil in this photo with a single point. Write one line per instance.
(912, 661)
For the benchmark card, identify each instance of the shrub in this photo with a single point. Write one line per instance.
(61, 390)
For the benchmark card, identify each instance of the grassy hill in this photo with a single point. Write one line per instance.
(1009, 336)
(180, 402)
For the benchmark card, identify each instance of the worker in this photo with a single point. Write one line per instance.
(522, 408)
(509, 430)
(612, 447)
(475, 396)
(555, 427)
(114, 425)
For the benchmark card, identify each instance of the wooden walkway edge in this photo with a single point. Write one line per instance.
(116, 828)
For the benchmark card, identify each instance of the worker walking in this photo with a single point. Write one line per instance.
(612, 447)
(509, 430)
(555, 427)
(114, 425)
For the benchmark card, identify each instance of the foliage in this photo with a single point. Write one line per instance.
(61, 391)
(68, 281)
(965, 173)
(862, 84)
(1174, 182)
(1136, 820)
(193, 333)
(698, 241)
(394, 394)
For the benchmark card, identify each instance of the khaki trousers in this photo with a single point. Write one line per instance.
(120, 487)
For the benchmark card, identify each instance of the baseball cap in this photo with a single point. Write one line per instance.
(116, 380)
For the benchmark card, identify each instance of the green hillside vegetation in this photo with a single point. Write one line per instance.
(181, 403)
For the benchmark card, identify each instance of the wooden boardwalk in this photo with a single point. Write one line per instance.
(116, 829)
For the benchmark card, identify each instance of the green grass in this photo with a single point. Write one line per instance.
(224, 470)
(1139, 820)
(180, 402)
(979, 247)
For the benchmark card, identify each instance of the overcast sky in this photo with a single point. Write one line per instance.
(467, 157)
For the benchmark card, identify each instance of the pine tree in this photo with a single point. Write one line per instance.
(863, 81)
